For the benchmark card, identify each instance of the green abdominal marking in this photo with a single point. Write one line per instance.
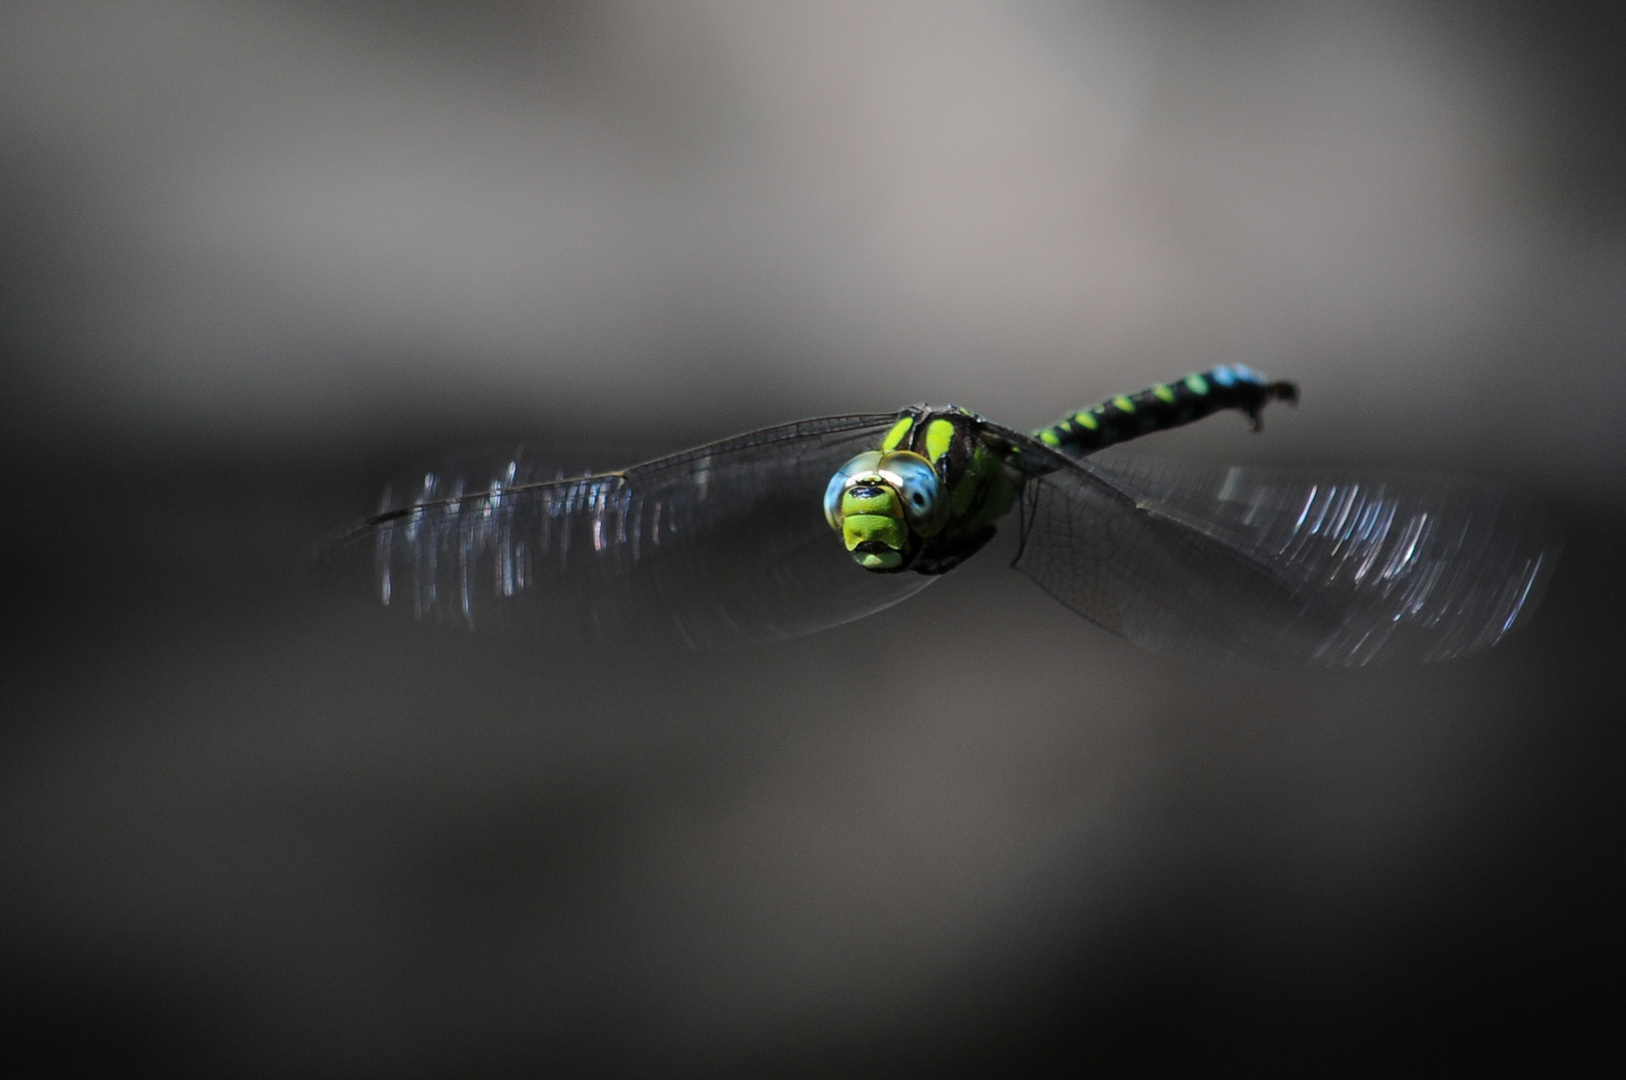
(1165, 406)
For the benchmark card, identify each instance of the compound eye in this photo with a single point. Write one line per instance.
(864, 464)
(923, 505)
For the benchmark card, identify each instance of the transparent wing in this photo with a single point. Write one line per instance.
(1271, 565)
(723, 543)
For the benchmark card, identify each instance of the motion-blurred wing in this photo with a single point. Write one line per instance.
(1322, 568)
(723, 543)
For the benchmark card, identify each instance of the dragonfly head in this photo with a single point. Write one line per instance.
(883, 505)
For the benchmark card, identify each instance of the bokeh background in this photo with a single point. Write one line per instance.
(258, 255)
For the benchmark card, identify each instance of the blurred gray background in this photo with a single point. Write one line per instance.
(256, 256)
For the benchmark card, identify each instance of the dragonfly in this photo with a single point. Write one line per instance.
(795, 528)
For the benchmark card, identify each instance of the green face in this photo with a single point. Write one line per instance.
(884, 504)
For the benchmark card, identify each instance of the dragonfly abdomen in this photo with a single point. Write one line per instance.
(1165, 406)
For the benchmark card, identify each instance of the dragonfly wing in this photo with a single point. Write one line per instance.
(1323, 568)
(1151, 579)
(723, 543)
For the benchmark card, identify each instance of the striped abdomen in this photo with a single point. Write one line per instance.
(1165, 406)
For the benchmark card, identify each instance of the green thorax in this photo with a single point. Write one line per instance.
(974, 477)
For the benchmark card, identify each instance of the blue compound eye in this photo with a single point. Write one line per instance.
(916, 481)
(861, 465)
